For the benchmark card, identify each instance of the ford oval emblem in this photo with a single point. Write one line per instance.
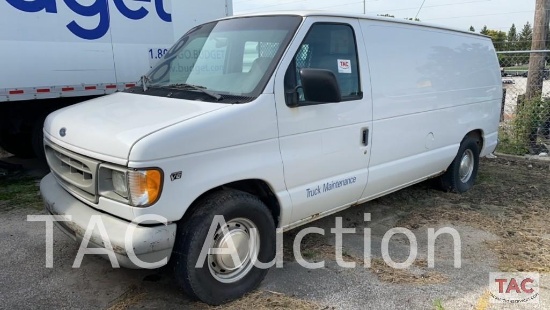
(62, 131)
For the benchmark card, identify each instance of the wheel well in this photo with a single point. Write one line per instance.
(478, 135)
(256, 187)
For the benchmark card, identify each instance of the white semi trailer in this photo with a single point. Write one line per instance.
(54, 53)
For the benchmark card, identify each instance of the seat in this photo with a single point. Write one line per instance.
(257, 70)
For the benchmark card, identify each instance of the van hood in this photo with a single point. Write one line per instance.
(107, 127)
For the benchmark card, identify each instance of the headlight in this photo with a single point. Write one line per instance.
(120, 184)
(139, 188)
(144, 186)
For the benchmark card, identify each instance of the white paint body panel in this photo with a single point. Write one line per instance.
(417, 114)
(111, 125)
(322, 143)
(430, 88)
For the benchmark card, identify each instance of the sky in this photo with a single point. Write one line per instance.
(461, 14)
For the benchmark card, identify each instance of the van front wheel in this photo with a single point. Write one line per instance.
(223, 222)
(462, 173)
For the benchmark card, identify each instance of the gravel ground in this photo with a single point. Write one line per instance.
(502, 224)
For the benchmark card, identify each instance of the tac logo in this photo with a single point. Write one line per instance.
(99, 8)
(514, 287)
(344, 66)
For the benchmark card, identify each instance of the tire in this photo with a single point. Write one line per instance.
(37, 139)
(17, 144)
(212, 283)
(462, 172)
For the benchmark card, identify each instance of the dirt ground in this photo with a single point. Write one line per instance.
(502, 221)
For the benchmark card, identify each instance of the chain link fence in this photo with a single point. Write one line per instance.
(525, 125)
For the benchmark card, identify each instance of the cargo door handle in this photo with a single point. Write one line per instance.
(365, 136)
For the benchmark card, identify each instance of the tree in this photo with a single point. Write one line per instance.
(525, 37)
(524, 43)
(498, 37)
(484, 30)
(472, 29)
(512, 38)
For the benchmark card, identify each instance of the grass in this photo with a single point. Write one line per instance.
(406, 276)
(509, 200)
(19, 192)
(510, 144)
(131, 297)
(438, 305)
(316, 248)
(517, 68)
(264, 300)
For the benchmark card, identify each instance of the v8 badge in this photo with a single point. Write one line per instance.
(175, 175)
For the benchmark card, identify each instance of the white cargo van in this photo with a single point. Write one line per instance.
(270, 120)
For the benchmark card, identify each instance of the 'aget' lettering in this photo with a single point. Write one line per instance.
(98, 8)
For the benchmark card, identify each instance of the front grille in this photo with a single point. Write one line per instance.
(76, 173)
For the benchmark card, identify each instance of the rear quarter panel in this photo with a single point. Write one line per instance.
(430, 87)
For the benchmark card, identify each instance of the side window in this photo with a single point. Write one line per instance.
(331, 47)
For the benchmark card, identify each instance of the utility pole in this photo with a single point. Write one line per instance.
(536, 60)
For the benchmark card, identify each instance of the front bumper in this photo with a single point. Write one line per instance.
(151, 244)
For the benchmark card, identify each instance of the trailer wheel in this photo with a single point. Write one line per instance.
(461, 174)
(37, 138)
(17, 144)
(219, 278)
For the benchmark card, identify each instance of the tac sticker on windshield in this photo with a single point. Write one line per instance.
(344, 66)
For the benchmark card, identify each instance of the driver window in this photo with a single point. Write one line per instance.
(331, 47)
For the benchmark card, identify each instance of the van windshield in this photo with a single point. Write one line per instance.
(231, 58)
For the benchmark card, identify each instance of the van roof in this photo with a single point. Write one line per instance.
(356, 16)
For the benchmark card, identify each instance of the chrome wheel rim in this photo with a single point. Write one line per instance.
(239, 236)
(466, 166)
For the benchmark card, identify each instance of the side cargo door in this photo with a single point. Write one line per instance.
(325, 146)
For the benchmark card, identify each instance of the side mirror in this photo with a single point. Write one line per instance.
(320, 85)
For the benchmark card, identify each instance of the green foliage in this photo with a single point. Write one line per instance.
(484, 30)
(472, 29)
(511, 41)
(499, 39)
(525, 37)
(526, 33)
(517, 138)
(512, 38)
(19, 192)
(509, 144)
(512, 34)
(438, 305)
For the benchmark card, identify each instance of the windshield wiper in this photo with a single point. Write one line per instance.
(202, 89)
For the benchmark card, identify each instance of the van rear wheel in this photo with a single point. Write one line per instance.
(221, 277)
(461, 174)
